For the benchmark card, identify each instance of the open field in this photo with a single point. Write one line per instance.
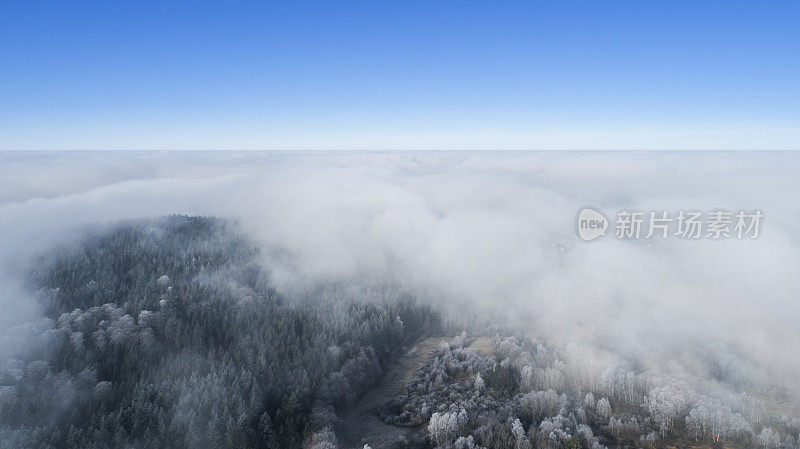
(362, 425)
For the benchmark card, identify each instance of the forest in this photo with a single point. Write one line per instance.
(169, 332)
(166, 333)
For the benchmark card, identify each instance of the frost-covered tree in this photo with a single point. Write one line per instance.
(527, 378)
(666, 402)
(554, 432)
(479, 383)
(538, 405)
(648, 440)
(603, 408)
(467, 442)
(520, 437)
(768, 438)
(444, 427)
(589, 401)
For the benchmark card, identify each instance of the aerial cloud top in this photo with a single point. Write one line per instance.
(491, 233)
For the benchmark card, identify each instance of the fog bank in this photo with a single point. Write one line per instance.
(490, 233)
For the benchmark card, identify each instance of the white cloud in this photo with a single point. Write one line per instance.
(491, 230)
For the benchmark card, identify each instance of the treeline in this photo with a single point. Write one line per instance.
(169, 333)
(529, 395)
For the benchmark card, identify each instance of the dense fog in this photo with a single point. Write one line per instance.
(484, 240)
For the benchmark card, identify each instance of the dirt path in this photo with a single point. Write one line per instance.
(362, 426)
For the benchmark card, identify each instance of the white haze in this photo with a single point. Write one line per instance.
(488, 233)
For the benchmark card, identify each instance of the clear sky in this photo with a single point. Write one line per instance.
(399, 75)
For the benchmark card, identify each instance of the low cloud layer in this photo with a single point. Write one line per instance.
(491, 233)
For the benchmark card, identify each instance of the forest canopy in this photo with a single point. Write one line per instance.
(167, 333)
(171, 332)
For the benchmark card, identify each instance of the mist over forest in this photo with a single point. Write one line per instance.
(397, 300)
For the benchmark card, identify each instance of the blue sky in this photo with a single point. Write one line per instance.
(401, 75)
